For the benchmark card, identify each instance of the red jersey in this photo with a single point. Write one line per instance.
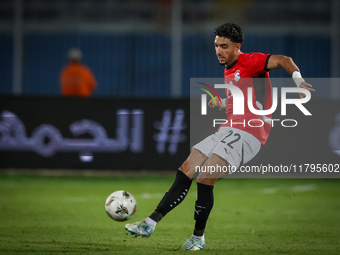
(244, 73)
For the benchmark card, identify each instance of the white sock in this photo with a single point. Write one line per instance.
(150, 221)
(198, 237)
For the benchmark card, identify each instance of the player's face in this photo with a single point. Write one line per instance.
(226, 51)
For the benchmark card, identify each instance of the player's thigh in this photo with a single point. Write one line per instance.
(214, 169)
(196, 158)
(236, 146)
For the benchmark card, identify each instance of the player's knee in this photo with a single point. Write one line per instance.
(194, 161)
(185, 167)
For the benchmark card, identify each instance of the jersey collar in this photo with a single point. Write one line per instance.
(232, 65)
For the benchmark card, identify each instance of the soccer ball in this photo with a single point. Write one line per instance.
(120, 205)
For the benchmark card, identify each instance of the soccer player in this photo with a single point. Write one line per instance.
(230, 145)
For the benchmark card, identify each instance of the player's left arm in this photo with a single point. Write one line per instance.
(287, 63)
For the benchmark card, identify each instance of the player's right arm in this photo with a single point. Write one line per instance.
(287, 63)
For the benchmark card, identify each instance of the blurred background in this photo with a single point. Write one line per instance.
(145, 52)
(152, 48)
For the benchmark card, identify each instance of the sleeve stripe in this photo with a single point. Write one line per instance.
(266, 64)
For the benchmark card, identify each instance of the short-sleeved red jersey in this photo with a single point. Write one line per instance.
(250, 70)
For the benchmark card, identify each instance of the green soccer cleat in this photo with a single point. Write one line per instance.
(140, 228)
(193, 244)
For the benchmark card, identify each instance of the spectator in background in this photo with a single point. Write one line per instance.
(77, 79)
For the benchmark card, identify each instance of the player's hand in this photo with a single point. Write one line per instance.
(211, 103)
(305, 85)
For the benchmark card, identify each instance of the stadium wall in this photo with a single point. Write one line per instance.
(136, 134)
(139, 64)
(99, 133)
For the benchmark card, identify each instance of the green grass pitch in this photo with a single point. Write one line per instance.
(66, 215)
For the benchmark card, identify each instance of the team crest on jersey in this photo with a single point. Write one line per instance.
(237, 76)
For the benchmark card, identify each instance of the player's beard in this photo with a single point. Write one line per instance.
(223, 64)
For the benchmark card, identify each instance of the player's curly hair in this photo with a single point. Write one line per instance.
(231, 31)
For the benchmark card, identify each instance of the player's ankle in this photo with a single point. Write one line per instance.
(156, 216)
(198, 237)
(150, 221)
(198, 232)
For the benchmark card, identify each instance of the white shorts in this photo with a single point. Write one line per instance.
(234, 145)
